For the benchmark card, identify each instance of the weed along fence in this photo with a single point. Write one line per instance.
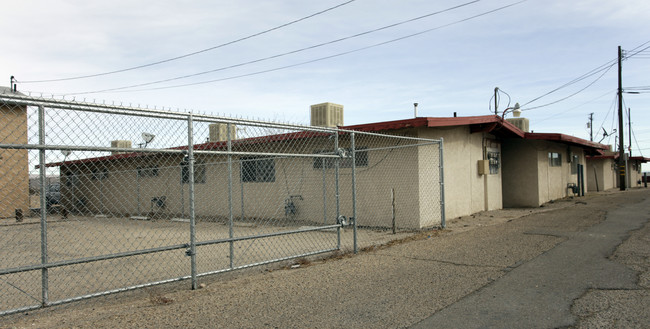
(97, 199)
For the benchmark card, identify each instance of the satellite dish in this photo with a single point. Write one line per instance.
(66, 152)
(147, 137)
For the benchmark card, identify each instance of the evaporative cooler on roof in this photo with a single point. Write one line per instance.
(327, 115)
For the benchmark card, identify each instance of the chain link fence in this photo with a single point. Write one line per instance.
(97, 199)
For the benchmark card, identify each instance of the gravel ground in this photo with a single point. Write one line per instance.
(383, 287)
(85, 237)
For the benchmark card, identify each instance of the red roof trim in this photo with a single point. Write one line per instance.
(615, 156)
(562, 138)
(640, 158)
(204, 146)
(597, 157)
(97, 159)
(502, 126)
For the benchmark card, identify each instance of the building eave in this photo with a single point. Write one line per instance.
(485, 123)
(594, 147)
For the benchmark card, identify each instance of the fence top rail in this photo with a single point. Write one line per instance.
(23, 100)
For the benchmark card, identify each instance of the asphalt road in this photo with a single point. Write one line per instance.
(579, 263)
(540, 293)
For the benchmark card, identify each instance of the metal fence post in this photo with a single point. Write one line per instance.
(324, 193)
(42, 173)
(336, 187)
(582, 179)
(579, 177)
(241, 186)
(190, 153)
(354, 193)
(443, 223)
(230, 219)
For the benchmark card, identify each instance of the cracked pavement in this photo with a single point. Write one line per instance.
(540, 293)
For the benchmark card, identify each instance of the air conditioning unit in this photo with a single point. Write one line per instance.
(327, 115)
(219, 132)
(123, 144)
(521, 123)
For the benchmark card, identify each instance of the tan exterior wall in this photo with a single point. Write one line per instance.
(554, 180)
(636, 174)
(602, 171)
(466, 192)
(520, 175)
(398, 170)
(14, 176)
(531, 159)
(429, 185)
(395, 169)
(610, 174)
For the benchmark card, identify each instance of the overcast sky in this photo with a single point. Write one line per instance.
(451, 62)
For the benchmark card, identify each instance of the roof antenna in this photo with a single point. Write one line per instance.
(415, 109)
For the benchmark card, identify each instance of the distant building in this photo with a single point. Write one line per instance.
(14, 176)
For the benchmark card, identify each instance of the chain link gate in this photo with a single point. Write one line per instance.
(98, 199)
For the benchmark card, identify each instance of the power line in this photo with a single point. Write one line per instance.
(608, 65)
(317, 59)
(611, 132)
(195, 52)
(577, 92)
(578, 106)
(597, 70)
(283, 54)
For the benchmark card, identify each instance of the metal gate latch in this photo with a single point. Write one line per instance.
(343, 221)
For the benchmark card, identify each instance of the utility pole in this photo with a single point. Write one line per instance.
(591, 126)
(629, 131)
(621, 147)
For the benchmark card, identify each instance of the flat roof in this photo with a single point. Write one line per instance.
(485, 123)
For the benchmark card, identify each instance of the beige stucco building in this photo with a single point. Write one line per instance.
(14, 176)
(134, 184)
(603, 173)
(489, 164)
(634, 170)
(541, 167)
(264, 188)
(469, 143)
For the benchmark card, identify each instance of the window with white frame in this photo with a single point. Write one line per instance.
(554, 159)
